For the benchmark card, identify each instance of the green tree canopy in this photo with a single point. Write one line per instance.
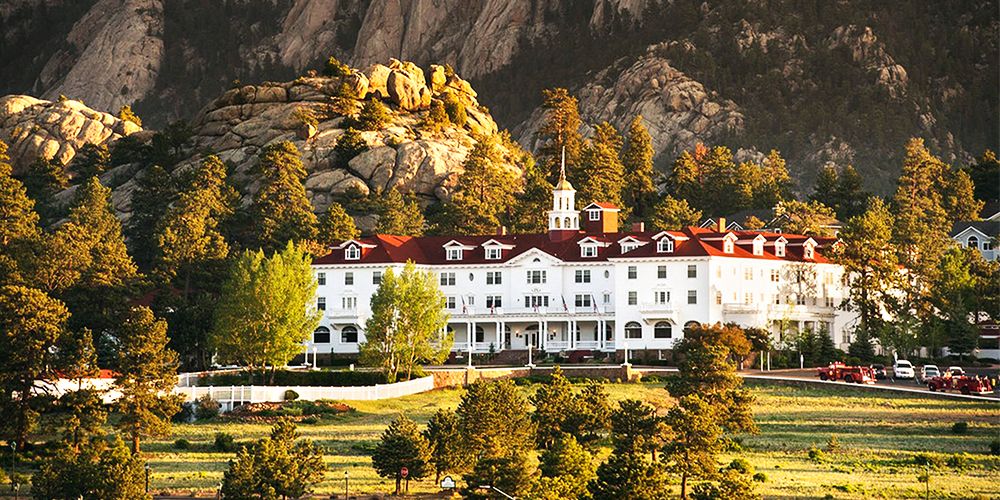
(871, 269)
(102, 469)
(404, 329)
(640, 179)
(402, 445)
(445, 439)
(374, 115)
(600, 174)
(671, 214)
(336, 225)
(350, 144)
(566, 469)
(810, 218)
(697, 440)
(494, 419)
(711, 180)
(281, 211)
(561, 129)
(19, 230)
(486, 190)
(399, 216)
(280, 466)
(90, 160)
(629, 475)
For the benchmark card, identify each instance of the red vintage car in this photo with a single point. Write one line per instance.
(849, 374)
(963, 384)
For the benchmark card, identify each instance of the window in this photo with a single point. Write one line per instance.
(480, 335)
(727, 246)
(583, 300)
(661, 297)
(973, 242)
(718, 298)
(808, 252)
(594, 214)
(492, 253)
(633, 298)
(692, 296)
(758, 247)
(607, 298)
(377, 277)
(494, 301)
(661, 272)
(453, 253)
(537, 300)
(582, 276)
(321, 335)
(632, 272)
(349, 303)
(779, 249)
(320, 303)
(349, 335)
(800, 299)
(472, 277)
(352, 253)
(536, 276)
(775, 275)
(588, 251)
(748, 298)
(633, 330)
(447, 279)
(470, 300)
(748, 273)
(321, 279)
(349, 278)
(662, 330)
(987, 245)
(665, 245)
(628, 247)
(828, 301)
(777, 300)
(449, 302)
(692, 271)
(493, 278)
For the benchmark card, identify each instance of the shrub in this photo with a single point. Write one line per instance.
(305, 116)
(335, 68)
(816, 455)
(185, 414)
(374, 115)
(182, 444)
(207, 408)
(995, 447)
(833, 444)
(126, 114)
(437, 117)
(455, 109)
(957, 461)
(291, 395)
(959, 427)
(742, 466)
(349, 145)
(925, 459)
(224, 442)
(760, 477)
(310, 420)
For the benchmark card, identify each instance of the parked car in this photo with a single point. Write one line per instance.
(880, 373)
(849, 374)
(963, 384)
(902, 369)
(956, 371)
(928, 372)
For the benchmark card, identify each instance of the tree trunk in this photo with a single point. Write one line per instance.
(684, 484)
(135, 443)
(398, 480)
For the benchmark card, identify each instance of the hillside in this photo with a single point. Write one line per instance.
(844, 82)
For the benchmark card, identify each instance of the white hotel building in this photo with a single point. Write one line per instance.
(586, 286)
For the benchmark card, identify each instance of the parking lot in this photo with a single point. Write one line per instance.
(810, 374)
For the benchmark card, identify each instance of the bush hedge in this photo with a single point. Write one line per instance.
(323, 378)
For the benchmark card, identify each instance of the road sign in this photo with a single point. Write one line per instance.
(447, 483)
(404, 472)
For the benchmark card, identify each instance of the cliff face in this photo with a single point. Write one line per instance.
(823, 82)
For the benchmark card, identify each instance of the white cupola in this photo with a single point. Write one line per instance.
(563, 216)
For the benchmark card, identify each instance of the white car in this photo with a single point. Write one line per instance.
(903, 369)
(956, 371)
(928, 372)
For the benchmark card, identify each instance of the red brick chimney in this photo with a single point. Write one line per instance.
(722, 224)
(638, 227)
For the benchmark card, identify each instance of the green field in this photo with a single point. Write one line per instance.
(879, 435)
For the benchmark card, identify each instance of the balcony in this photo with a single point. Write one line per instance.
(516, 312)
(737, 308)
(648, 308)
(340, 313)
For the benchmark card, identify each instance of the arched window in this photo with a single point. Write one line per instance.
(321, 335)
(558, 222)
(480, 334)
(633, 330)
(349, 335)
(689, 325)
(973, 242)
(665, 245)
(566, 223)
(662, 330)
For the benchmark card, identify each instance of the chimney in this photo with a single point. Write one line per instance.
(638, 227)
(502, 231)
(722, 224)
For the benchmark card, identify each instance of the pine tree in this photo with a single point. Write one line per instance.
(43, 179)
(437, 118)
(350, 144)
(985, 174)
(280, 466)
(110, 264)
(374, 115)
(281, 209)
(629, 475)
(19, 230)
(147, 374)
(494, 420)
(31, 326)
(445, 440)
(402, 446)
(808, 218)
(671, 214)
(953, 296)
(861, 346)
(486, 189)
(775, 182)
(454, 108)
(399, 216)
(600, 174)
(566, 469)
(697, 440)
(640, 179)
(958, 197)
(561, 129)
(336, 225)
(870, 265)
(554, 404)
(152, 197)
(102, 469)
(635, 428)
(91, 160)
(529, 213)
(851, 198)
(825, 187)
(126, 114)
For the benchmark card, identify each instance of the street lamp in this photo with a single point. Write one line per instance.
(487, 487)
(346, 484)
(147, 478)
(13, 451)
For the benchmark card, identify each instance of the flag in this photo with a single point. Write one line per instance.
(465, 310)
(565, 308)
(593, 302)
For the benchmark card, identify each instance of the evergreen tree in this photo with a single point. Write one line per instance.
(454, 108)
(861, 346)
(43, 179)
(445, 440)
(566, 470)
(126, 114)
(266, 309)
(809, 218)
(851, 198)
(494, 420)
(399, 216)
(985, 175)
(90, 160)
(561, 129)
(825, 187)
(671, 214)
(486, 189)
(774, 183)
(374, 115)
(600, 174)
(19, 231)
(152, 196)
(102, 469)
(631, 476)
(710, 179)
(281, 210)
(635, 428)
(147, 374)
(697, 440)
(336, 225)
(529, 213)
(953, 296)
(554, 404)
(350, 144)
(732, 485)
(870, 266)
(640, 179)
(437, 118)
(958, 197)
(513, 473)
(31, 326)
(593, 417)
(401, 446)
(404, 329)
(280, 466)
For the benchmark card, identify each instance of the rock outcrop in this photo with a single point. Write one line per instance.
(35, 128)
(868, 51)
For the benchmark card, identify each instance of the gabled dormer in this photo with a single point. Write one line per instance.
(779, 246)
(589, 246)
(729, 243)
(758, 245)
(809, 249)
(455, 250)
(493, 250)
(354, 249)
(667, 242)
(600, 218)
(630, 243)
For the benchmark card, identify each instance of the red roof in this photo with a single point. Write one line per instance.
(691, 242)
(603, 204)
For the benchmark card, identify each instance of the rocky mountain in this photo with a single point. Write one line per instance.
(840, 81)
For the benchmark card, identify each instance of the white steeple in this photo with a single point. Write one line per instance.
(563, 215)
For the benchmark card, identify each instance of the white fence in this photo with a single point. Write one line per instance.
(230, 396)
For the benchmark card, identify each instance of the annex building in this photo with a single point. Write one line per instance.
(588, 285)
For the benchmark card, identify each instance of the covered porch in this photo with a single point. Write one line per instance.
(484, 335)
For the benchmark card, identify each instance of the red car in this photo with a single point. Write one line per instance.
(849, 374)
(965, 385)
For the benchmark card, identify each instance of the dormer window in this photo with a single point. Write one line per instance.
(588, 251)
(665, 245)
(628, 247)
(779, 248)
(758, 245)
(493, 253)
(594, 214)
(727, 246)
(808, 253)
(352, 253)
(453, 254)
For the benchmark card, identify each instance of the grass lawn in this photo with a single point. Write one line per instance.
(879, 435)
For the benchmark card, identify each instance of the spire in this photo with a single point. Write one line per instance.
(563, 184)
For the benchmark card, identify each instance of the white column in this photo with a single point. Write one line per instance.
(572, 334)
(468, 336)
(544, 339)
